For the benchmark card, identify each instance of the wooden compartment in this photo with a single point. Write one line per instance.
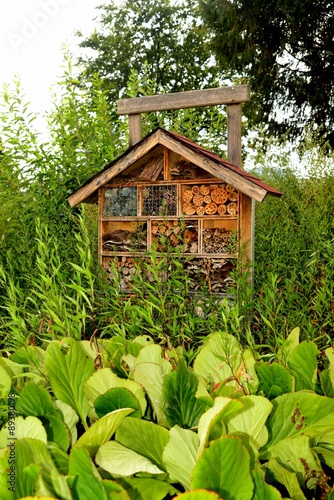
(181, 169)
(175, 234)
(206, 199)
(215, 272)
(122, 270)
(159, 200)
(120, 202)
(121, 236)
(220, 236)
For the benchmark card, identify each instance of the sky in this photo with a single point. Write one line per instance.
(32, 33)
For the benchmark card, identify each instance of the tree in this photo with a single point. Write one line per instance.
(286, 50)
(166, 38)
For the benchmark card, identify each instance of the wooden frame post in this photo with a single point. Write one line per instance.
(134, 128)
(234, 134)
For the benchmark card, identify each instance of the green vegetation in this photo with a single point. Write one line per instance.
(130, 419)
(161, 394)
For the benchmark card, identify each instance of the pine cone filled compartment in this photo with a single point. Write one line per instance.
(175, 234)
(209, 199)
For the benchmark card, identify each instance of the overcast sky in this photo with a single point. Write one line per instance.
(32, 33)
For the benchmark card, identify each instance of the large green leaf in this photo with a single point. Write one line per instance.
(117, 398)
(151, 376)
(179, 389)
(102, 430)
(7, 490)
(5, 383)
(199, 495)
(29, 427)
(327, 375)
(274, 380)
(35, 401)
(252, 419)
(224, 467)
(114, 490)
(117, 347)
(303, 364)
(299, 413)
(324, 447)
(287, 478)
(86, 481)
(153, 354)
(144, 437)
(180, 455)
(212, 421)
(263, 491)
(295, 455)
(221, 360)
(60, 457)
(70, 418)
(34, 452)
(121, 461)
(290, 343)
(146, 488)
(56, 431)
(103, 380)
(68, 371)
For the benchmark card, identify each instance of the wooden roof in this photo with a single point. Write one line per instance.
(242, 180)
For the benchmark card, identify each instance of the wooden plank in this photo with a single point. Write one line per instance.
(167, 173)
(219, 171)
(119, 166)
(247, 230)
(134, 129)
(100, 229)
(181, 100)
(234, 134)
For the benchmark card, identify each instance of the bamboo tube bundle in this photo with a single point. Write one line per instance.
(217, 240)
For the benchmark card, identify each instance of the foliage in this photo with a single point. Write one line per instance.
(37, 173)
(240, 444)
(294, 251)
(285, 51)
(165, 40)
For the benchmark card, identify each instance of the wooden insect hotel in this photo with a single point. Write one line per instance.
(168, 193)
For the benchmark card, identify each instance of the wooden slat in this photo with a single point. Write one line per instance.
(181, 100)
(247, 206)
(134, 129)
(234, 134)
(219, 171)
(122, 164)
(100, 230)
(167, 173)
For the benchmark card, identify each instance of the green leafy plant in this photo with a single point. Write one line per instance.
(151, 426)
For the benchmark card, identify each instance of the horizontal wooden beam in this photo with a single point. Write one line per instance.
(181, 100)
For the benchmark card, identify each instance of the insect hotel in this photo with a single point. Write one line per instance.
(170, 194)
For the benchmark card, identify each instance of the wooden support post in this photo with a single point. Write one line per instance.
(234, 134)
(134, 128)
